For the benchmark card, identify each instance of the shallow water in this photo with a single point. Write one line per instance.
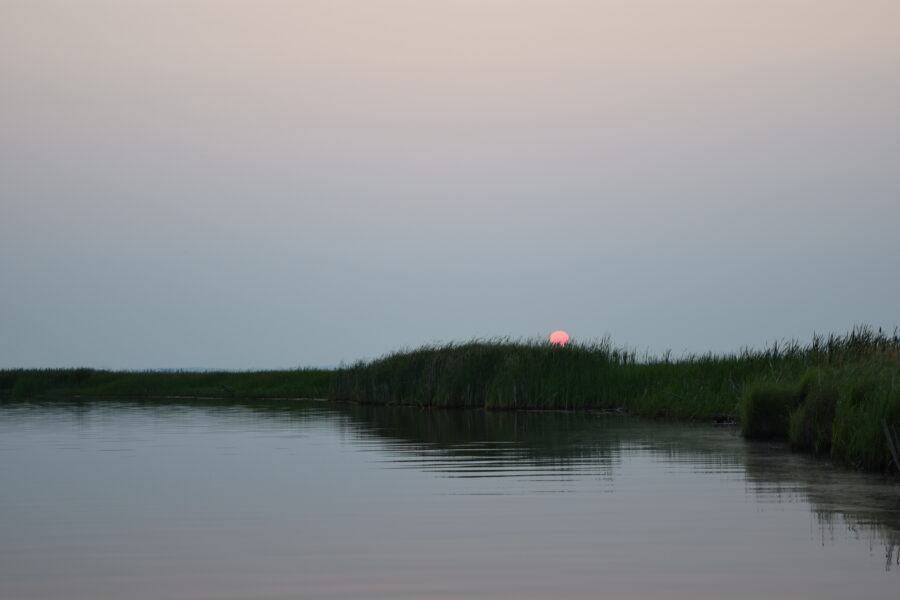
(311, 500)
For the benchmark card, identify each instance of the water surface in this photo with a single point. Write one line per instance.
(310, 500)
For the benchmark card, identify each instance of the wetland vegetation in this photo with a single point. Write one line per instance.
(836, 396)
(67, 383)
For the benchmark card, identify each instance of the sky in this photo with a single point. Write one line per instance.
(272, 184)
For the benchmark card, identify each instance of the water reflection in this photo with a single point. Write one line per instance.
(561, 500)
(463, 444)
(861, 506)
(560, 445)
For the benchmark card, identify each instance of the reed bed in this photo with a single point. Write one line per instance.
(835, 396)
(832, 396)
(65, 383)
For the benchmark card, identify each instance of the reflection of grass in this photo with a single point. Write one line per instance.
(864, 505)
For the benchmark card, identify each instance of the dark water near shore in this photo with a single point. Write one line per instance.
(310, 500)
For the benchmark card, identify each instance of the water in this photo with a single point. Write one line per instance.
(310, 500)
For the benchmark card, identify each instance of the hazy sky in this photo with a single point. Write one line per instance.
(262, 183)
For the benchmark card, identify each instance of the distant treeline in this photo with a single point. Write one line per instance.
(837, 395)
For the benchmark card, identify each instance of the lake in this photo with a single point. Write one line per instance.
(306, 499)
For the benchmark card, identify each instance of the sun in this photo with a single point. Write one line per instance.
(559, 338)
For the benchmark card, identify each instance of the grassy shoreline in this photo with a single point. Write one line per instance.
(831, 397)
(66, 383)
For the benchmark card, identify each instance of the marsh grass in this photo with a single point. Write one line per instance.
(63, 383)
(504, 374)
(828, 397)
(835, 407)
(811, 422)
(766, 408)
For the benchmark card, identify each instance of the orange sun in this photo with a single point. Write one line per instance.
(559, 338)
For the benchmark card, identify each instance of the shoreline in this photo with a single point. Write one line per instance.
(836, 397)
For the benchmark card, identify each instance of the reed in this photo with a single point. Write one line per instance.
(766, 408)
(839, 412)
(504, 374)
(64, 383)
(839, 406)
(828, 397)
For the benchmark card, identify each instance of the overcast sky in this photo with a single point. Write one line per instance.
(247, 184)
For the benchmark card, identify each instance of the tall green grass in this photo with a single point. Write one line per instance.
(828, 397)
(499, 374)
(834, 412)
(838, 406)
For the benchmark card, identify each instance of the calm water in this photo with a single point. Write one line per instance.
(309, 500)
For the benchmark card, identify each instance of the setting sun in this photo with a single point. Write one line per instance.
(559, 338)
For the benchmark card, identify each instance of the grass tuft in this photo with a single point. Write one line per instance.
(766, 408)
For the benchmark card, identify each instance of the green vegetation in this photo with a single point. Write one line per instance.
(65, 383)
(829, 397)
(766, 407)
(832, 397)
(839, 405)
